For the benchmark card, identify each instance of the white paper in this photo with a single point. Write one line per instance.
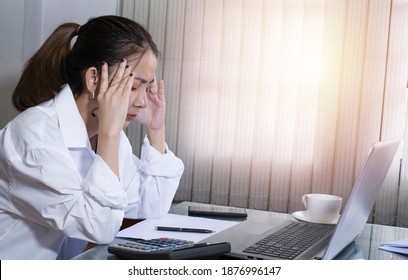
(147, 228)
(400, 246)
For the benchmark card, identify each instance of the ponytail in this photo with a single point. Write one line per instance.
(42, 77)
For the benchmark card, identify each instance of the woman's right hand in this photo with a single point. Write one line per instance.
(113, 99)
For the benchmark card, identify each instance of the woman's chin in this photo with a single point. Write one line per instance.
(126, 124)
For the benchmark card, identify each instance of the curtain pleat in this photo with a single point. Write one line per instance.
(393, 196)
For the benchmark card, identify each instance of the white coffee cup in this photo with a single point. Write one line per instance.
(322, 208)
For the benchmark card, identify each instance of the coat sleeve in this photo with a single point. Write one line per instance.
(151, 181)
(45, 187)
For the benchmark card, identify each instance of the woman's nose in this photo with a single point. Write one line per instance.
(140, 101)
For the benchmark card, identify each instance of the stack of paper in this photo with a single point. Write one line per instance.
(400, 246)
(147, 228)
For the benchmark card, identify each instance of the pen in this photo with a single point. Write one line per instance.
(196, 230)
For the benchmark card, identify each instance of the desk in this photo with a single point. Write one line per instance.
(364, 247)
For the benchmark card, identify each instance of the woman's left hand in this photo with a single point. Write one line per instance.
(153, 115)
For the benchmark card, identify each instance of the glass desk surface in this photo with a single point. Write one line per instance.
(364, 247)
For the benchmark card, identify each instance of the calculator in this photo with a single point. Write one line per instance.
(167, 248)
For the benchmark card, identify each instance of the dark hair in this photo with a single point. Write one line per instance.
(102, 39)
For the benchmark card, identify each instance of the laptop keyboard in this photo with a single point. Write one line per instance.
(290, 241)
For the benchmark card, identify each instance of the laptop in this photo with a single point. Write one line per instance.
(332, 238)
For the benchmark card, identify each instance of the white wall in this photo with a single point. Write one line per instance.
(25, 24)
(11, 48)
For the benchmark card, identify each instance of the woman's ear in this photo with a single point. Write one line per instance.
(91, 79)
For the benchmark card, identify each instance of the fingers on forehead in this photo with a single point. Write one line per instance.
(119, 73)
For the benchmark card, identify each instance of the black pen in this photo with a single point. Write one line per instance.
(196, 230)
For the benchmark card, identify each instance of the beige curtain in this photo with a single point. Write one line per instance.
(268, 99)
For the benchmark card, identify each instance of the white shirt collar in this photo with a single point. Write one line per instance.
(72, 126)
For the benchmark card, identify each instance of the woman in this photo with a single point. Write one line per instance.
(67, 172)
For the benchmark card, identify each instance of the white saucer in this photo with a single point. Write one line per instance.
(304, 216)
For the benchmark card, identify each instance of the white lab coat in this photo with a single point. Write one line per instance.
(56, 194)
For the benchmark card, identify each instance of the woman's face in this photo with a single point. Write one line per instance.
(143, 77)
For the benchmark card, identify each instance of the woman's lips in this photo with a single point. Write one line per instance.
(131, 117)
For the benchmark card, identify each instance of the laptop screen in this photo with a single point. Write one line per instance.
(363, 196)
